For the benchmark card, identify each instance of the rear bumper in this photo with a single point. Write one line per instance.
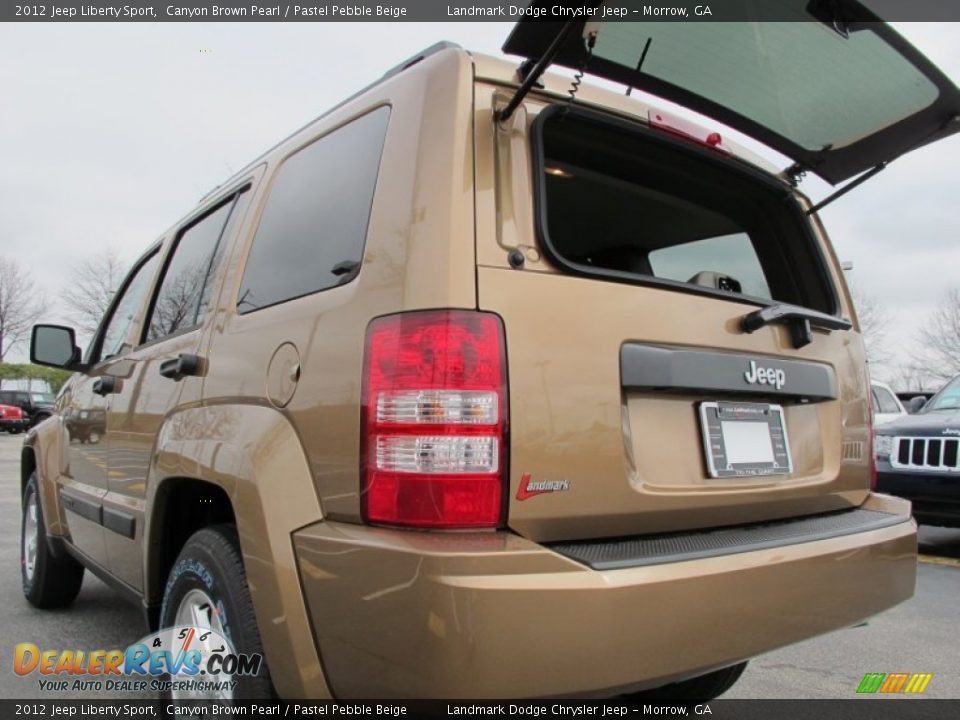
(935, 496)
(493, 615)
(17, 425)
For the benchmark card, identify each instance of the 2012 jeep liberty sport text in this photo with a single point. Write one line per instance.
(466, 377)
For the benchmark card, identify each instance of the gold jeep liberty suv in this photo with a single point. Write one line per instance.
(483, 384)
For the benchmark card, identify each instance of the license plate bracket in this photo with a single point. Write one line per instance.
(742, 439)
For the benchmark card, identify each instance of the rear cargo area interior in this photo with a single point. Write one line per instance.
(631, 204)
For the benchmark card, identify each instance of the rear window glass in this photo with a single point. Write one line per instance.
(633, 205)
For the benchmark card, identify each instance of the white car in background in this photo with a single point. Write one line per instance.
(886, 405)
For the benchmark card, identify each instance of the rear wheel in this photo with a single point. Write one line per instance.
(48, 581)
(699, 689)
(207, 587)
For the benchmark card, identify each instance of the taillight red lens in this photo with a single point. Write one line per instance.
(434, 420)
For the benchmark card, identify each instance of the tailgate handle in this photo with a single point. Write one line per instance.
(180, 366)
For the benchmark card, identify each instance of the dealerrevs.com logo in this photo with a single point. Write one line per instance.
(178, 659)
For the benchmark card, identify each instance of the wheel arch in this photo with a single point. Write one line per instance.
(242, 462)
(44, 453)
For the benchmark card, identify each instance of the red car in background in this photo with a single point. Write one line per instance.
(12, 419)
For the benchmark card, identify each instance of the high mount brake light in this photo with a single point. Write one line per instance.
(687, 130)
(434, 427)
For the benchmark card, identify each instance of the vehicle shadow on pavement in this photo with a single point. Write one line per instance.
(939, 542)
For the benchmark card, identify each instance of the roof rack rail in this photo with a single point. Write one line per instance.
(414, 59)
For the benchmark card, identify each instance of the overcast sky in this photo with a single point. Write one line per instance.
(111, 132)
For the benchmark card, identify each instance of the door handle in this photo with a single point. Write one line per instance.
(106, 385)
(180, 366)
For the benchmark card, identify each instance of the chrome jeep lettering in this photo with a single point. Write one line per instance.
(757, 375)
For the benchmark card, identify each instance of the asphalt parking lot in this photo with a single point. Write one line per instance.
(917, 636)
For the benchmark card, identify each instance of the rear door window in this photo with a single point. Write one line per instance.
(184, 293)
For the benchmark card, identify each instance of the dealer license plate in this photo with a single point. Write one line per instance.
(744, 439)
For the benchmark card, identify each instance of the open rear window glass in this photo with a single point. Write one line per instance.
(626, 203)
(802, 80)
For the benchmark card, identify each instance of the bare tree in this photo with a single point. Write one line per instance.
(874, 323)
(939, 339)
(906, 378)
(92, 287)
(21, 304)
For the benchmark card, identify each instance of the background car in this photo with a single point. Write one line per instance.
(36, 406)
(886, 406)
(12, 419)
(918, 458)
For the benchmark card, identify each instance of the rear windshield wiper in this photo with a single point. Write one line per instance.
(799, 319)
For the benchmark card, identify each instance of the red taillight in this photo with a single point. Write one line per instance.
(434, 420)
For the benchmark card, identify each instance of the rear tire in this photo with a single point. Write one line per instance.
(48, 581)
(699, 689)
(210, 568)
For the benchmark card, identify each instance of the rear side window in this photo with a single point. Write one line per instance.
(314, 227)
(621, 202)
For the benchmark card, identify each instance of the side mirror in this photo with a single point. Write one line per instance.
(916, 404)
(54, 346)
